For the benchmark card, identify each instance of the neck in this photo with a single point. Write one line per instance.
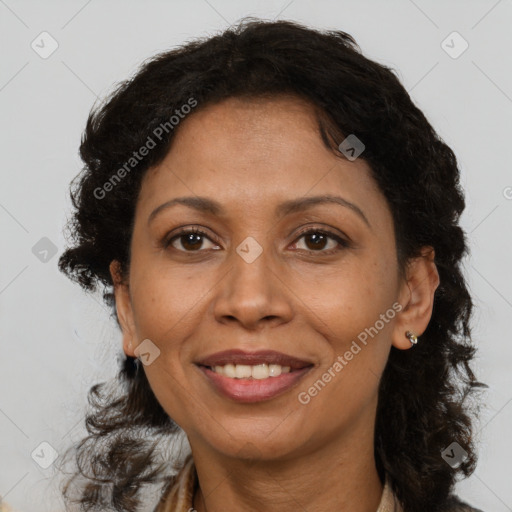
(339, 475)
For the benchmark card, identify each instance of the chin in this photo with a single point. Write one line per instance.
(266, 444)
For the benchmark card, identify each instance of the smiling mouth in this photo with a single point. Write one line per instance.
(245, 371)
(253, 377)
(239, 360)
(249, 389)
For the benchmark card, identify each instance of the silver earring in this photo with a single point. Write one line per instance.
(412, 338)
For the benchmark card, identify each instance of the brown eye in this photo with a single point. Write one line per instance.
(191, 240)
(317, 240)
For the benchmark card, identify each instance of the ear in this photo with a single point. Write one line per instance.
(416, 297)
(124, 309)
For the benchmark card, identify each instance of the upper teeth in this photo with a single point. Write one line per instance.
(244, 371)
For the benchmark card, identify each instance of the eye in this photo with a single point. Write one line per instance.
(317, 239)
(191, 240)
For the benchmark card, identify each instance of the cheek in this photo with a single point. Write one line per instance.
(353, 313)
(167, 312)
(345, 301)
(167, 302)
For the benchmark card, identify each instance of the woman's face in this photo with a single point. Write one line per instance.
(254, 282)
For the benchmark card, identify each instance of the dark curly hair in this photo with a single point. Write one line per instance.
(423, 401)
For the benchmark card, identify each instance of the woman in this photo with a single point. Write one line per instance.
(275, 225)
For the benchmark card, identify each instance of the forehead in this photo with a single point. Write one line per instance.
(253, 153)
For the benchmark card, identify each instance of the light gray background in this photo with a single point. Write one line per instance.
(56, 341)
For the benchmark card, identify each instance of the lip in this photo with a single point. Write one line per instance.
(253, 390)
(253, 358)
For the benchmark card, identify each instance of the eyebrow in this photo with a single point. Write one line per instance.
(207, 205)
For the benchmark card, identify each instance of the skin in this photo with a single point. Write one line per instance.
(250, 155)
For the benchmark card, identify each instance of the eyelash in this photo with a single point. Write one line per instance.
(196, 231)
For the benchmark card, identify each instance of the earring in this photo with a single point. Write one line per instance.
(412, 338)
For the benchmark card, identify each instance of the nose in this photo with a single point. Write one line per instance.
(253, 294)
